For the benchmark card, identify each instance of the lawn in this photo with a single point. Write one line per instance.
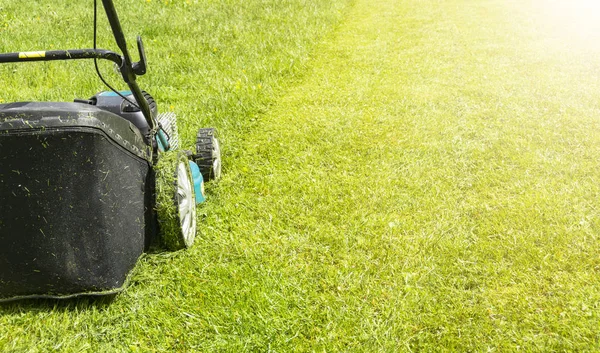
(399, 176)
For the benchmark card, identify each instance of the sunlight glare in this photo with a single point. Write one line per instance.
(577, 20)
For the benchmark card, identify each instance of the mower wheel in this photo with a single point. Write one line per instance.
(208, 154)
(175, 200)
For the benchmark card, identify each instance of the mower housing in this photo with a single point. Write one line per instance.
(76, 199)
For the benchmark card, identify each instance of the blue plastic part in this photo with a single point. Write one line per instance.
(198, 183)
(113, 94)
(163, 142)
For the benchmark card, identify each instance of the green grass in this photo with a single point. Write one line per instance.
(428, 181)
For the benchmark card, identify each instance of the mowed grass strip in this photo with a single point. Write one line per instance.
(429, 184)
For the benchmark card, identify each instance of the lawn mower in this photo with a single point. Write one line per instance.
(86, 187)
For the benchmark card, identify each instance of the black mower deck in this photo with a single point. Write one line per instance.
(76, 189)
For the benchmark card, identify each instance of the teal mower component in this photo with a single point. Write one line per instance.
(162, 141)
(198, 183)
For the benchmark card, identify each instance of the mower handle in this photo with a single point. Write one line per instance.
(51, 55)
(129, 69)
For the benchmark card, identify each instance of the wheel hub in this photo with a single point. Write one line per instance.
(186, 203)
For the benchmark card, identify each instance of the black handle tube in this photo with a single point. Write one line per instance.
(50, 55)
(127, 67)
(115, 25)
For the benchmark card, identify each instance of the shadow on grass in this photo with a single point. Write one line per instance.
(79, 303)
(99, 301)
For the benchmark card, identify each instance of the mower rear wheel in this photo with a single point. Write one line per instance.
(208, 154)
(175, 200)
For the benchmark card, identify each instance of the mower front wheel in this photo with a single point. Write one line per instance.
(208, 154)
(175, 200)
